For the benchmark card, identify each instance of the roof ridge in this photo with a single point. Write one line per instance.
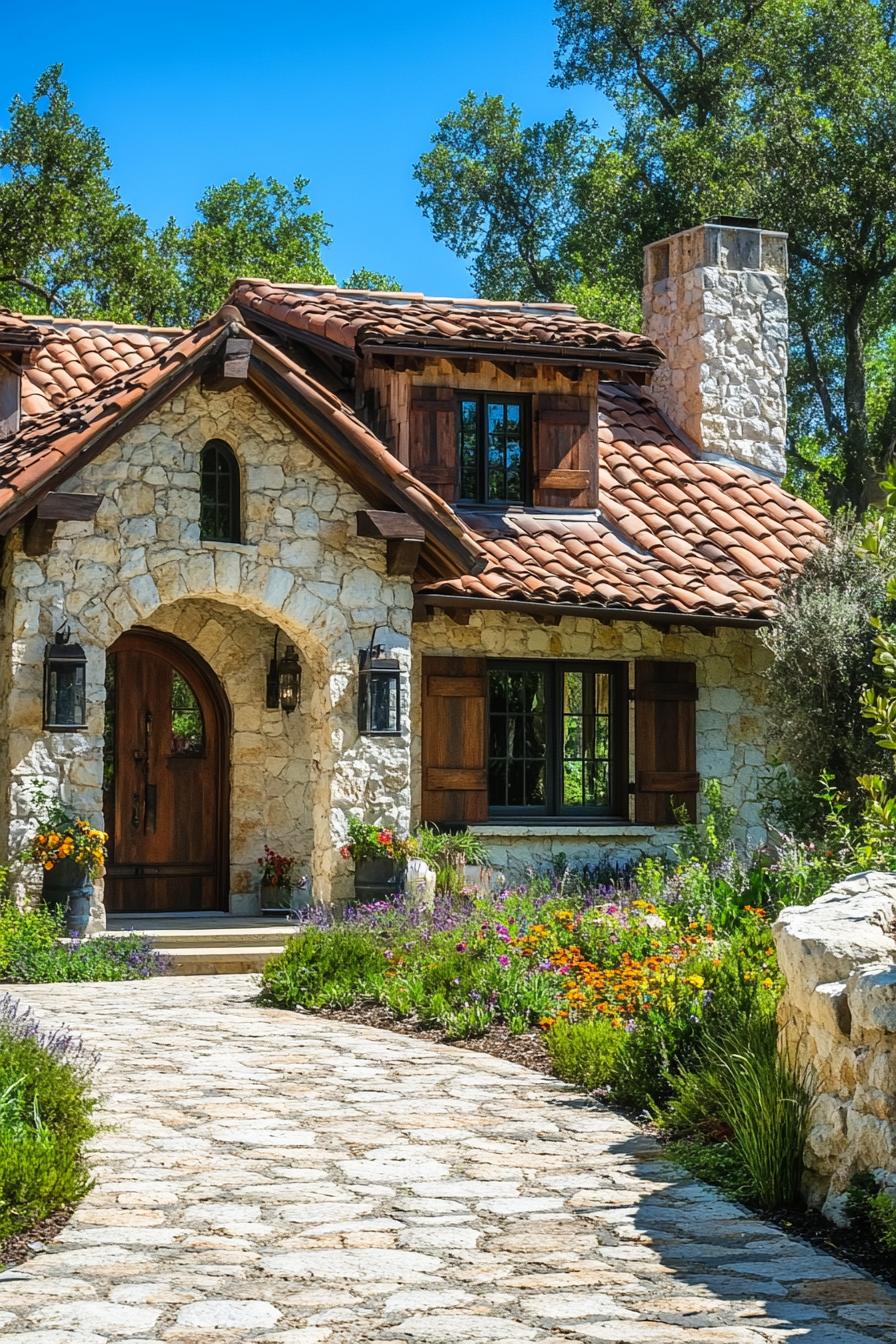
(106, 324)
(403, 297)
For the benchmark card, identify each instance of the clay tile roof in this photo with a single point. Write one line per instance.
(359, 320)
(76, 357)
(673, 534)
(18, 334)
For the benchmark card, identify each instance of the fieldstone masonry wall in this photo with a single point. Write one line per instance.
(714, 300)
(142, 562)
(838, 1020)
(731, 728)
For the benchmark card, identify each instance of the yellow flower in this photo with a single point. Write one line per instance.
(696, 980)
(48, 867)
(767, 983)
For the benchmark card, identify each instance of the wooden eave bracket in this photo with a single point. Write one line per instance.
(404, 537)
(56, 507)
(231, 368)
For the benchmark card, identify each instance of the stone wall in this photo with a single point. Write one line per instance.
(300, 568)
(715, 302)
(731, 727)
(838, 1021)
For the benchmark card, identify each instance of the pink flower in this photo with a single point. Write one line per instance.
(504, 961)
(460, 947)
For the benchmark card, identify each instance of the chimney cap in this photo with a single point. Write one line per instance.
(736, 221)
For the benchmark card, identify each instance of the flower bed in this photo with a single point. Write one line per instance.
(35, 950)
(45, 1119)
(633, 981)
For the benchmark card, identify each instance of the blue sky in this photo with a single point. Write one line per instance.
(345, 94)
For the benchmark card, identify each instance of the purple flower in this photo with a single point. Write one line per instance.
(504, 961)
(460, 947)
(503, 932)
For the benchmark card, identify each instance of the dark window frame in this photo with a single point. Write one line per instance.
(553, 810)
(482, 400)
(227, 495)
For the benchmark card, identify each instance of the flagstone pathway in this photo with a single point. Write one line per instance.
(268, 1176)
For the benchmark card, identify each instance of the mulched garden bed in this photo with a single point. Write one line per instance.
(528, 1050)
(22, 1245)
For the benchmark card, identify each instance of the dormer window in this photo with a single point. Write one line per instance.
(493, 444)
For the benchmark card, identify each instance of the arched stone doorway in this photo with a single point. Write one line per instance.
(165, 778)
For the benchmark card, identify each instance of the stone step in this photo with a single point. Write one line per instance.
(213, 959)
(218, 936)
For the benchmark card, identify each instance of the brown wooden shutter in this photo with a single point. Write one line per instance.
(432, 453)
(665, 740)
(565, 467)
(455, 786)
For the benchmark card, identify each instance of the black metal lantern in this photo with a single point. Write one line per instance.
(284, 683)
(65, 684)
(379, 692)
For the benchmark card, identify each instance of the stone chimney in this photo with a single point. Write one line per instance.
(715, 303)
(18, 341)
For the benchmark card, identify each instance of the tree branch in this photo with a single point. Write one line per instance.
(32, 288)
(822, 391)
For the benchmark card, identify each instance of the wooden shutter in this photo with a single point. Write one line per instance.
(665, 740)
(432, 453)
(565, 468)
(455, 786)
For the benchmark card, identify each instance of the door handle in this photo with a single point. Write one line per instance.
(135, 811)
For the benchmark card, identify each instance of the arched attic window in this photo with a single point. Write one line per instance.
(219, 493)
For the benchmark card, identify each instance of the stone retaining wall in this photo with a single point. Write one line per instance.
(838, 1019)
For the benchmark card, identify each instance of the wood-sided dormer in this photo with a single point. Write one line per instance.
(492, 405)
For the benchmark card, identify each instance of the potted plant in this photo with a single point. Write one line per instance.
(278, 882)
(71, 853)
(379, 856)
(458, 858)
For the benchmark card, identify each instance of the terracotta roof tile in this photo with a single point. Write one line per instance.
(701, 538)
(76, 357)
(361, 319)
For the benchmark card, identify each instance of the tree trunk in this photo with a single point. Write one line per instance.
(860, 475)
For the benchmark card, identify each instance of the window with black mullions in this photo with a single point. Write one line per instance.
(219, 493)
(492, 448)
(556, 738)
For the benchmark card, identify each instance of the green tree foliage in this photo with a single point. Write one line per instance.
(252, 228)
(785, 109)
(498, 191)
(362, 278)
(822, 646)
(69, 244)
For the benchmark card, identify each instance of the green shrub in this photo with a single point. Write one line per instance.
(585, 1053)
(35, 950)
(872, 1210)
(45, 1118)
(324, 968)
(745, 1090)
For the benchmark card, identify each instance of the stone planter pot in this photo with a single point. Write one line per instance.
(68, 887)
(377, 879)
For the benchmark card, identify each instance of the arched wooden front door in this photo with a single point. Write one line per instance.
(166, 778)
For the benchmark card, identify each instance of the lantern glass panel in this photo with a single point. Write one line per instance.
(66, 699)
(383, 701)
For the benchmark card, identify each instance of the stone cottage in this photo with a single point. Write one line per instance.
(338, 552)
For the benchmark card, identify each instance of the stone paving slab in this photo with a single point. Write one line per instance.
(268, 1176)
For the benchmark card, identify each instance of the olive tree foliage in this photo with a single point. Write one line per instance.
(69, 244)
(785, 109)
(822, 647)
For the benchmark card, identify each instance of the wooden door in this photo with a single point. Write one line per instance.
(166, 778)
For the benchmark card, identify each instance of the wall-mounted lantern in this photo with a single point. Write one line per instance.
(379, 692)
(284, 681)
(65, 684)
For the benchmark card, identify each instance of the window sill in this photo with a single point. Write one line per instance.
(561, 826)
(241, 547)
